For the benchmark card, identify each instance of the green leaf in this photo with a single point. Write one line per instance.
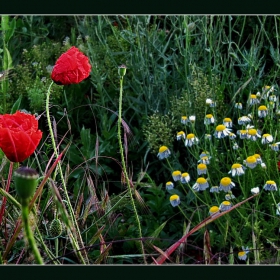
(16, 105)
(156, 233)
(4, 23)
(7, 60)
(8, 27)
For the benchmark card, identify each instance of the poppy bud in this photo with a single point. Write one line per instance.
(122, 70)
(26, 180)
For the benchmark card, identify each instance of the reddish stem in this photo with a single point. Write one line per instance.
(161, 259)
(7, 190)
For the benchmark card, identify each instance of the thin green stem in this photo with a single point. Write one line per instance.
(29, 234)
(184, 214)
(124, 168)
(72, 215)
(56, 247)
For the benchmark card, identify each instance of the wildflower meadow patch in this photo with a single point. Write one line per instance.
(139, 140)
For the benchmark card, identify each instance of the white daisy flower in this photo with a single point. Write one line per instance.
(244, 120)
(181, 135)
(176, 175)
(273, 98)
(232, 136)
(191, 140)
(267, 138)
(209, 101)
(184, 120)
(163, 152)
(174, 200)
(169, 185)
(275, 146)
(229, 196)
(209, 119)
(201, 169)
(226, 184)
(235, 146)
(270, 186)
(253, 99)
(262, 111)
(225, 205)
(227, 122)
(253, 134)
(255, 190)
(242, 255)
(201, 184)
(185, 178)
(251, 162)
(192, 119)
(237, 169)
(221, 131)
(214, 210)
(243, 134)
(238, 106)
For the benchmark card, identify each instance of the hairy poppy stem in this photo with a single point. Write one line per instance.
(122, 73)
(28, 232)
(72, 215)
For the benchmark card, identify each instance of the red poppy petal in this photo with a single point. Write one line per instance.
(19, 135)
(72, 67)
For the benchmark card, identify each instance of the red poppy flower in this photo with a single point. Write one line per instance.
(278, 163)
(72, 67)
(19, 135)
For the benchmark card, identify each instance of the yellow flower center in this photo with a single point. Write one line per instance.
(262, 108)
(184, 118)
(174, 197)
(176, 173)
(241, 254)
(236, 165)
(251, 159)
(252, 132)
(181, 133)
(270, 182)
(209, 116)
(226, 203)
(201, 180)
(186, 174)
(162, 149)
(253, 96)
(169, 183)
(190, 136)
(220, 127)
(225, 181)
(266, 135)
(227, 119)
(214, 209)
(257, 156)
(201, 166)
(243, 131)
